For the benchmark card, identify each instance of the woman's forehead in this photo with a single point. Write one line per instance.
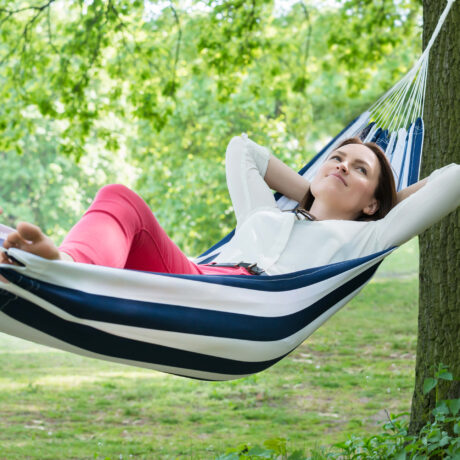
(357, 151)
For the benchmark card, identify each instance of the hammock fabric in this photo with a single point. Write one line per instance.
(209, 327)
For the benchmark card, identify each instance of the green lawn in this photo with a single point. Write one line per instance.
(55, 405)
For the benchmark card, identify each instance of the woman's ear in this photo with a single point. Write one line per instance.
(372, 207)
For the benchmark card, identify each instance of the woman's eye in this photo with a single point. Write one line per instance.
(335, 157)
(363, 170)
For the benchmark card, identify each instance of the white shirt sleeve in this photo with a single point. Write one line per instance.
(246, 164)
(437, 198)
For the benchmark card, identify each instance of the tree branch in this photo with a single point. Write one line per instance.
(25, 32)
(50, 36)
(178, 44)
(20, 10)
(95, 51)
(309, 32)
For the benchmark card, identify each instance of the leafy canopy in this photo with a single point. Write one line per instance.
(161, 88)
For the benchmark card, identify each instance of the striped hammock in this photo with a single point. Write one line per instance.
(210, 327)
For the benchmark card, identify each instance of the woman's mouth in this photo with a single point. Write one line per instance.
(339, 177)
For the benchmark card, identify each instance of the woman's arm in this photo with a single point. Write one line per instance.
(405, 193)
(283, 179)
(252, 171)
(422, 205)
(408, 191)
(246, 164)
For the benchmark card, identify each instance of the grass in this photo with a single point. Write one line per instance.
(55, 405)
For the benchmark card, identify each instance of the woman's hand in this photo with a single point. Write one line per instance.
(408, 191)
(285, 180)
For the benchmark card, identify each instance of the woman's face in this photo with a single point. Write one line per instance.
(347, 181)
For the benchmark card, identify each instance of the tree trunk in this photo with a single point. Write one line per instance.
(439, 306)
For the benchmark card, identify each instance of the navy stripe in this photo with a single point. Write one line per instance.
(383, 140)
(366, 131)
(274, 283)
(188, 320)
(106, 344)
(416, 152)
(376, 135)
(401, 171)
(208, 259)
(286, 282)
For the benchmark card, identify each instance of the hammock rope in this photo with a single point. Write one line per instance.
(211, 327)
(396, 99)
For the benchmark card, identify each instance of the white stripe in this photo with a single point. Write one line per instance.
(148, 287)
(398, 153)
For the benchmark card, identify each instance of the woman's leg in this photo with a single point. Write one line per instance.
(119, 230)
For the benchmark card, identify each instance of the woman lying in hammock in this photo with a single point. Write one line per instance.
(350, 209)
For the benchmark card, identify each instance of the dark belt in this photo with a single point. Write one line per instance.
(253, 269)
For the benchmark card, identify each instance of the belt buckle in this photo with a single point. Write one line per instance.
(253, 269)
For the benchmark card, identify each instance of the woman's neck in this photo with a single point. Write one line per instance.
(322, 211)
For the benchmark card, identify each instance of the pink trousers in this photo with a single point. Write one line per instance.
(119, 230)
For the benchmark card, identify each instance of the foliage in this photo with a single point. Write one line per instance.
(439, 438)
(80, 60)
(51, 190)
(272, 449)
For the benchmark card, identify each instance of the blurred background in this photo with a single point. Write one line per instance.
(148, 94)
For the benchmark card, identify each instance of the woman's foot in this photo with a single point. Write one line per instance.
(31, 239)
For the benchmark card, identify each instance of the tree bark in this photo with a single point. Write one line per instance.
(439, 294)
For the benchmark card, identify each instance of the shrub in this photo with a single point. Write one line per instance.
(439, 438)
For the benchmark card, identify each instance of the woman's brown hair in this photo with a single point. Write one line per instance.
(385, 192)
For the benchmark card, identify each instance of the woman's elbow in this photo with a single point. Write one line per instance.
(235, 144)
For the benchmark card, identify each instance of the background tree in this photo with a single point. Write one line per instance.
(439, 306)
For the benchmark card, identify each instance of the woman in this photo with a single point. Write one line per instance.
(352, 210)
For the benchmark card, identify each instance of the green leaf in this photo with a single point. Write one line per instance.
(300, 84)
(298, 455)
(444, 441)
(278, 445)
(259, 452)
(446, 376)
(454, 405)
(434, 435)
(429, 384)
(441, 408)
(431, 449)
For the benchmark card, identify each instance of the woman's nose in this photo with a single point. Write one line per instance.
(342, 167)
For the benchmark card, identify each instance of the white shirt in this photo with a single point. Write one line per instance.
(280, 243)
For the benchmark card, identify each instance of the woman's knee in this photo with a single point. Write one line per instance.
(115, 190)
(122, 201)
(121, 194)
